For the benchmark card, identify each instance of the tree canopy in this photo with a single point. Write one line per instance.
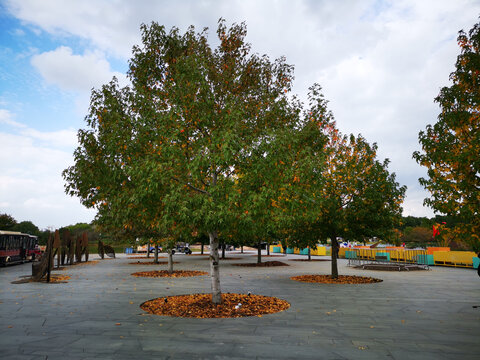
(358, 197)
(189, 144)
(451, 147)
(208, 141)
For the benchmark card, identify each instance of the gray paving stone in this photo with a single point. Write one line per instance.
(418, 315)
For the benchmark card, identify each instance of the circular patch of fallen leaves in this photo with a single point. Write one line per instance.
(144, 257)
(165, 273)
(57, 278)
(53, 279)
(201, 306)
(90, 262)
(151, 263)
(263, 264)
(342, 279)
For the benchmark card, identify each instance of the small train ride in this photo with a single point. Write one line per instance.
(16, 247)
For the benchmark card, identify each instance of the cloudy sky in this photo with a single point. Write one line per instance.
(380, 63)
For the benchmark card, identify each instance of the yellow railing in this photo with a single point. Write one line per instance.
(454, 258)
(446, 258)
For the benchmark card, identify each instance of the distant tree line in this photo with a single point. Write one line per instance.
(418, 231)
(9, 223)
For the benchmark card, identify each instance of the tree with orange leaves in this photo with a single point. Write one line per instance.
(451, 147)
(352, 196)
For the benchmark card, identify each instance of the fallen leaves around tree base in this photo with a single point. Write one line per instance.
(53, 279)
(342, 279)
(165, 273)
(91, 262)
(201, 306)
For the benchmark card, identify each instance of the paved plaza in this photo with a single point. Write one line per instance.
(96, 315)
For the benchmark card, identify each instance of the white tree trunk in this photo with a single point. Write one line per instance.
(215, 268)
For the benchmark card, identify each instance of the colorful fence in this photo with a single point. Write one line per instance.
(454, 258)
(430, 256)
(318, 251)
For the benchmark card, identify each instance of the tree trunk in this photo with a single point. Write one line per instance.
(223, 250)
(309, 254)
(148, 250)
(334, 241)
(259, 253)
(202, 249)
(214, 268)
(268, 249)
(156, 254)
(241, 249)
(170, 261)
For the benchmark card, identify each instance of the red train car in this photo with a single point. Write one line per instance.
(16, 247)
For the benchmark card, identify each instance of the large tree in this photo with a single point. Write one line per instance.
(354, 196)
(361, 198)
(451, 147)
(167, 152)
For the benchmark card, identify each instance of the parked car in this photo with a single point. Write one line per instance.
(182, 248)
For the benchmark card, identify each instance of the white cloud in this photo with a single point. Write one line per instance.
(65, 138)
(31, 186)
(381, 63)
(72, 72)
(6, 118)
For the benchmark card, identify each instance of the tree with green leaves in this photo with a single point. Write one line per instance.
(362, 199)
(451, 147)
(166, 154)
(7, 222)
(354, 196)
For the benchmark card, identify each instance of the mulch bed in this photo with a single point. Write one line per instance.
(53, 279)
(263, 264)
(201, 306)
(90, 262)
(151, 263)
(309, 260)
(165, 273)
(342, 279)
